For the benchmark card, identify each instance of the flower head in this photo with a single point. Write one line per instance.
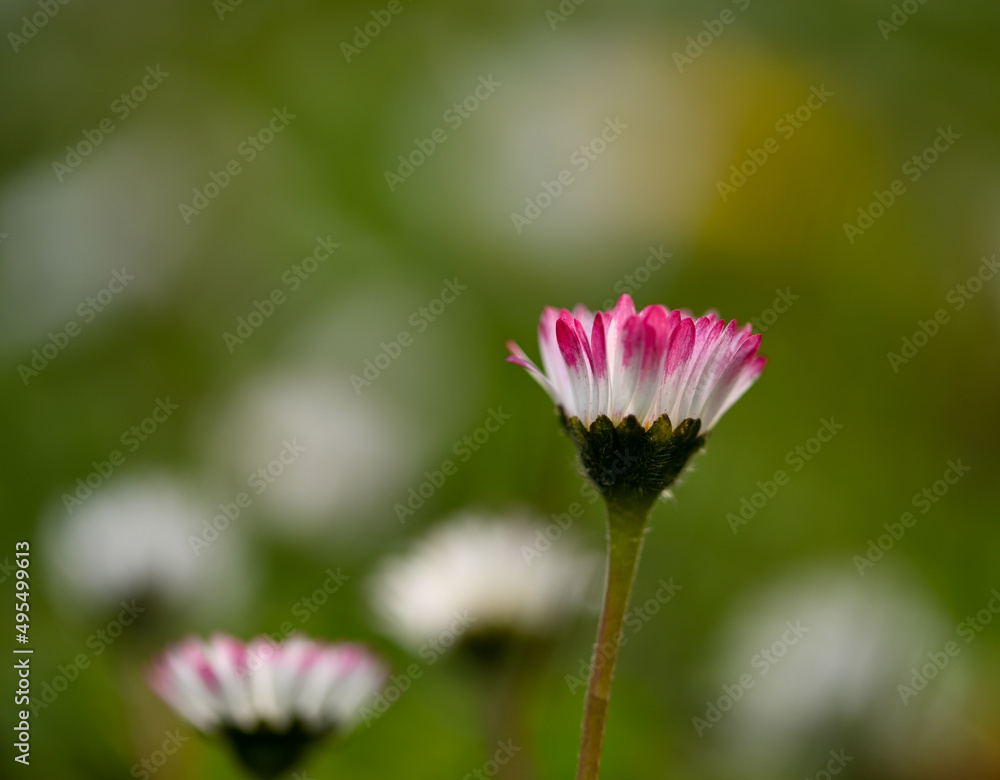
(639, 391)
(483, 579)
(271, 700)
(848, 674)
(132, 540)
(621, 362)
(346, 451)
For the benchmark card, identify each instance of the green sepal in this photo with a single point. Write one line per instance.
(629, 465)
(267, 753)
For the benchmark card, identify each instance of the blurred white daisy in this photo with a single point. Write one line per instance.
(838, 686)
(348, 449)
(595, 122)
(103, 228)
(483, 577)
(270, 700)
(132, 540)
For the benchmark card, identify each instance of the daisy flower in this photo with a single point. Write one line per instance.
(350, 450)
(858, 677)
(475, 580)
(639, 391)
(270, 700)
(133, 540)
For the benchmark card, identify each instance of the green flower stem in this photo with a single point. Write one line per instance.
(626, 526)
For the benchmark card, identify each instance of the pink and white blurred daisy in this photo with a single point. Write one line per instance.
(270, 700)
(649, 363)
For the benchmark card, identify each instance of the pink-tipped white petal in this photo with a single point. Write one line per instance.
(182, 686)
(518, 357)
(599, 352)
(631, 350)
(743, 369)
(594, 398)
(552, 361)
(231, 673)
(675, 369)
(707, 339)
(656, 322)
(577, 366)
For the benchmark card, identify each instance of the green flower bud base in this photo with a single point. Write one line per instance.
(269, 754)
(632, 466)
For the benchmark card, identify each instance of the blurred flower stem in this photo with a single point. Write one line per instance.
(507, 698)
(626, 526)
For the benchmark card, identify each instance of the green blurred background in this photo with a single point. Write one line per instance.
(562, 72)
